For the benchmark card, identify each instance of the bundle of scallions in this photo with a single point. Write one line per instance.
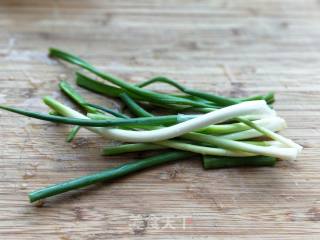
(224, 131)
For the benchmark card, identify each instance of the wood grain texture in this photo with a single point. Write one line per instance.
(236, 48)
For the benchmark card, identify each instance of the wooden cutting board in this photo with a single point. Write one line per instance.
(236, 48)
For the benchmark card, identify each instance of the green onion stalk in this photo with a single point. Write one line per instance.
(150, 95)
(136, 136)
(108, 174)
(163, 134)
(230, 144)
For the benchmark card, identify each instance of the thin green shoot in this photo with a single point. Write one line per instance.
(146, 94)
(72, 134)
(108, 174)
(220, 100)
(159, 120)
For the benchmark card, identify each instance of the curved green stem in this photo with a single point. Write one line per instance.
(110, 91)
(147, 95)
(220, 100)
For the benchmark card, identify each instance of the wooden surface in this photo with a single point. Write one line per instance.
(236, 48)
